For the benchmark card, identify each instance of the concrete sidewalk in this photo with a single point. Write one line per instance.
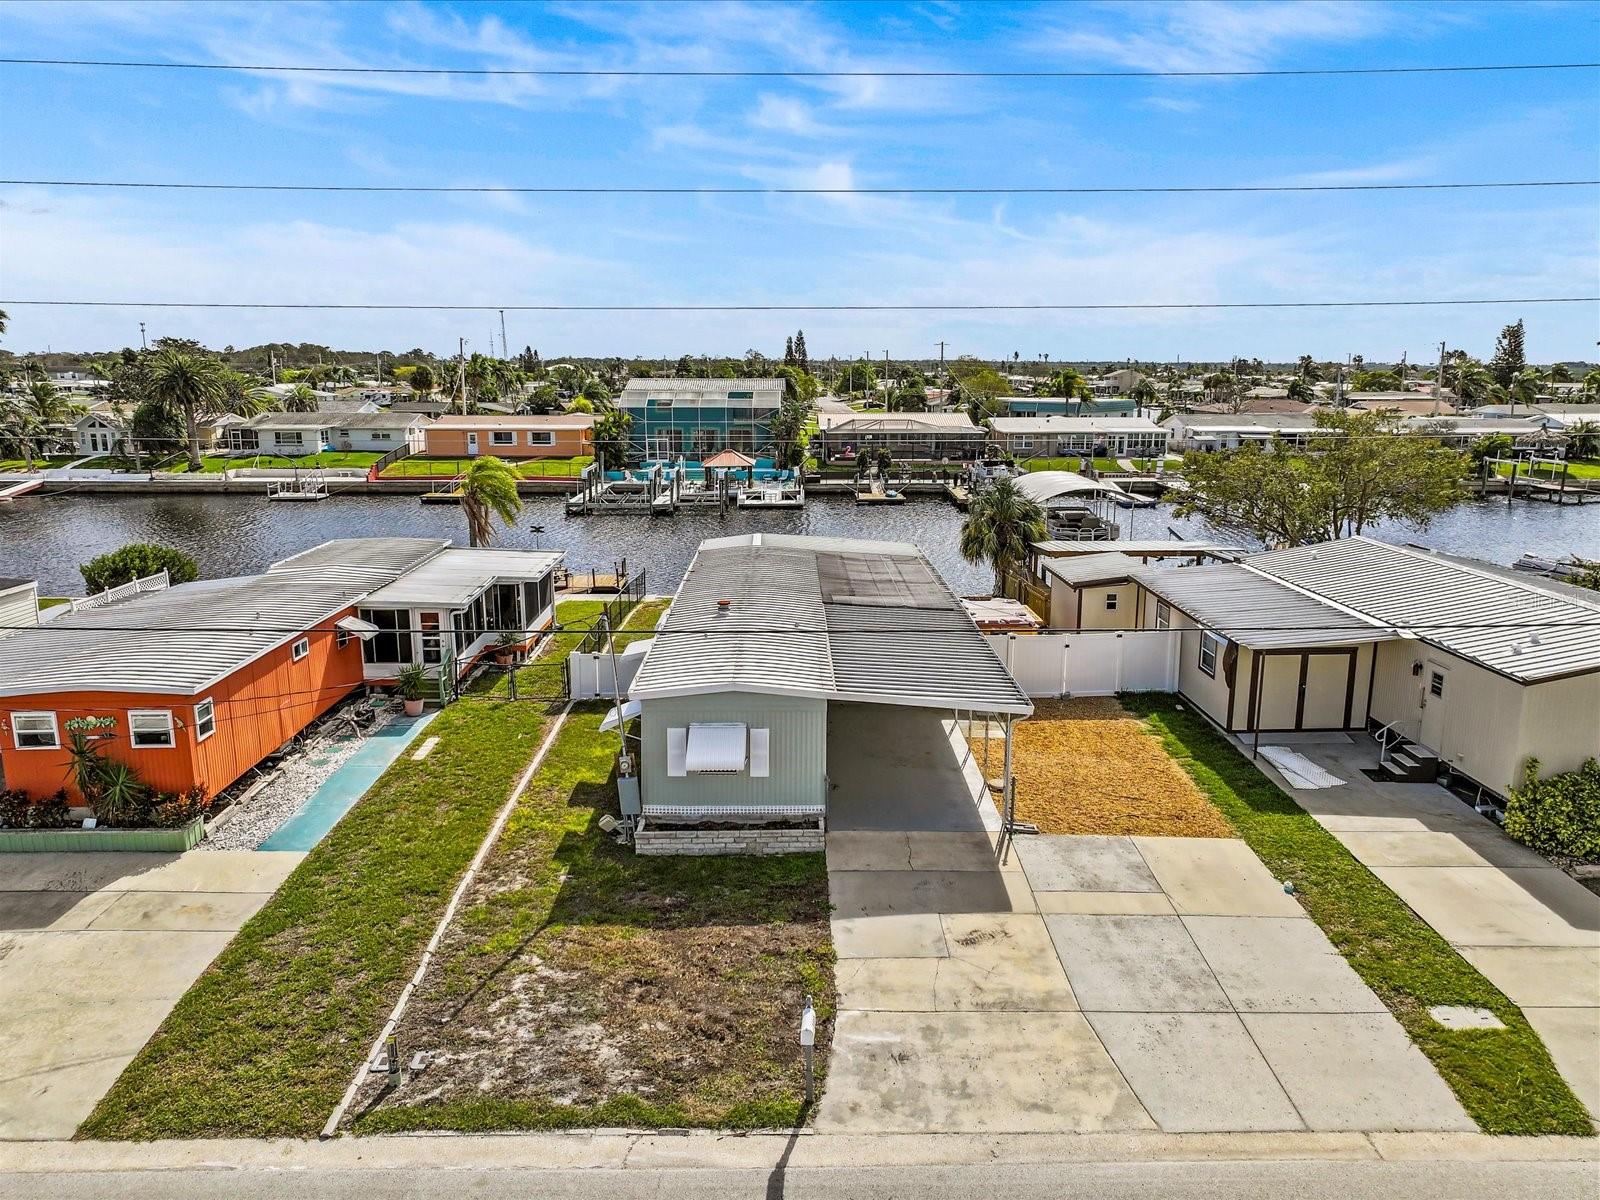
(1530, 928)
(95, 949)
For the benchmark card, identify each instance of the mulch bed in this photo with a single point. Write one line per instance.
(1088, 766)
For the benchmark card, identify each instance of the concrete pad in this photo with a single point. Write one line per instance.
(1196, 1072)
(63, 1035)
(912, 935)
(106, 966)
(1215, 877)
(1465, 849)
(1107, 903)
(219, 911)
(53, 1103)
(1355, 1071)
(1572, 1035)
(1541, 976)
(884, 893)
(887, 984)
(1059, 863)
(1001, 961)
(51, 910)
(219, 871)
(73, 872)
(959, 852)
(1496, 906)
(1134, 964)
(975, 1073)
(1461, 1016)
(1280, 964)
(857, 850)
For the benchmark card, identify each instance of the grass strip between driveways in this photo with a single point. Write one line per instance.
(1504, 1078)
(265, 1042)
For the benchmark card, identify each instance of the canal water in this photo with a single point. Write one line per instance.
(46, 537)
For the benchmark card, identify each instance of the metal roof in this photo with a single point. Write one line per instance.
(1519, 628)
(1052, 423)
(184, 639)
(1137, 547)
(1255, 610)
(333, 420)
(1044, 486)
(1091, 568)
(564, 420)
(904, 639)
(924, 422)
(452, 579)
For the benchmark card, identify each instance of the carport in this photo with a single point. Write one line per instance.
(835, 674)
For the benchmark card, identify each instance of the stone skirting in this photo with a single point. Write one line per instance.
(753, 839)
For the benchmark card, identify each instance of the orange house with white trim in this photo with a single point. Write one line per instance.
(197, 684)
(553, 435)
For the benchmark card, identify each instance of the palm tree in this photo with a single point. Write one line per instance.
(1300, 389)
(192, 384)
(300, 399)
(1525, 387)
(1591, 383)
(1000, 526)
(1583, 439)
(1473, 381)
(488, 490)
(1144, 392)
(1070, 385)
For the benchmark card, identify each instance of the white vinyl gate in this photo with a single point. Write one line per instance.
(1091, 663)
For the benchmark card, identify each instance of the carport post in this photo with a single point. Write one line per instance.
(1006, 785)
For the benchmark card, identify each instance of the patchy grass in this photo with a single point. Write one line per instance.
(1088, 766)
(265, 1042)
(1503, 1077)
(445, 468)
(584, 985)
(215, 464)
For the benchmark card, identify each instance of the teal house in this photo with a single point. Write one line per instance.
(696, 418)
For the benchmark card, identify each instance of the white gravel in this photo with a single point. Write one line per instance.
(299, 776)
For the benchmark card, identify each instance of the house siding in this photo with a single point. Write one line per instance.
(798, 752)
(258, 708)
(451, 442)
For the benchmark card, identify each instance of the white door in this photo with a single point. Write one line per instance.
(1435, 697)
(472, 445)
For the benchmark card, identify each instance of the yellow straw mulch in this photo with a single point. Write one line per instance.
(1087, 766)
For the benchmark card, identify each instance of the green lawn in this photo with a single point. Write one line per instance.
(444, 468)
(1578, 468)
(1504, 1078)
(268, 1038)
(215, 464)
(52, 601)
(39, 463)
(690, 971)
(1068, 463)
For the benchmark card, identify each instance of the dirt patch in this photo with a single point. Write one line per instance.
(1088, 766)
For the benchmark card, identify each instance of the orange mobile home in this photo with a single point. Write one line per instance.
(556, 435)
(195, 685)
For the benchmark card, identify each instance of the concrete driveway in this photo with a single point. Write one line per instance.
(95, 949)
(1530, 928)
(1085, 983)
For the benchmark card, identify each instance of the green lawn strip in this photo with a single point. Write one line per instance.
(20, 465)
(446, 468)
(265, 1042)
(694, 969)
(1576, 469)
(1504, 1078)
(1068, 463)
(52, 601)
(215, 464)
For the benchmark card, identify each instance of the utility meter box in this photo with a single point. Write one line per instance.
(628, 795)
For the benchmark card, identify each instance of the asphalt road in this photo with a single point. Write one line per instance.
(1051, 1181)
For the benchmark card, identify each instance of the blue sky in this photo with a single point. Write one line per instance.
(850, 133)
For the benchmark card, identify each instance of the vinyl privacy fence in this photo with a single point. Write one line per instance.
(1091, 662)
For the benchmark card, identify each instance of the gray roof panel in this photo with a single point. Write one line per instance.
(1254, 610)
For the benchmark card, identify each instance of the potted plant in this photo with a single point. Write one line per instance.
(412, 682)
(505, 647)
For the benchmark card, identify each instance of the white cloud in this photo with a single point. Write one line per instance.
(788, 114)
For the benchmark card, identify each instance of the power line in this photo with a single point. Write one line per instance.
(609, 190)
(639, 308)
(782, 73)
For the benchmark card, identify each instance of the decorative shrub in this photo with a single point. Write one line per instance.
(13, 809)
(112, 789)
(1558, 815)
(136, 561)
(52, 812)
(170, 811)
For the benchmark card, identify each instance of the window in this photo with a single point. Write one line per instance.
(1111, 602)
(541, 437)
(1024, 443)
(150, 728)
(300, 649)
(291, 437)
(1163, 615)
(205, 720)
(660, 402)
(382, 435)
(35, 731)
(342, 639)
(502, 437)
(1210, 643)
(1436, 684)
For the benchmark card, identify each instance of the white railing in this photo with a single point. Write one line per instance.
(159, 582)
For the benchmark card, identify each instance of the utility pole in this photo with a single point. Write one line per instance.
(505, 350)
(941, 360)
(461, 374)
(142, 344)
(1438, 385)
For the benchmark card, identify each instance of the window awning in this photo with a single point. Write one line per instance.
(715, 748)
(619, 713)
(365, 630)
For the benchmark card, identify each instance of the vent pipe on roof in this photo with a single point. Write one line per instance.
(724, 605)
